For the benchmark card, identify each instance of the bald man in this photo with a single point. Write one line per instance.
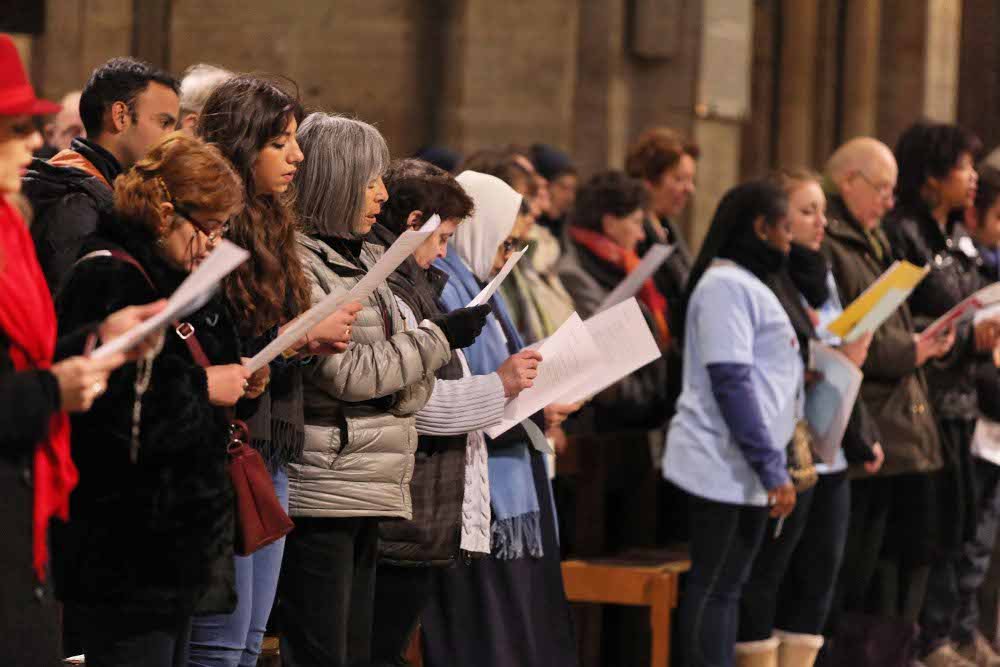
(66, 125)
(862, 174)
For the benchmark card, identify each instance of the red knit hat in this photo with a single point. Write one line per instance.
(17, 97)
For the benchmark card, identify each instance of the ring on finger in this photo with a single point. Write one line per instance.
(246, 385)
(97, 388)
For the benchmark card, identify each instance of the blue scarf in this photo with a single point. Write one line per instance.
(516, 528)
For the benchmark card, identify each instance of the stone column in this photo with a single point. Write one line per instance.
(797, 82)
(859, 102)
(944, 34)
(723, 101)
(79, 35)
(510, 74)
(601, 100)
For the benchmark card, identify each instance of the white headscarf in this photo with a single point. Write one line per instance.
(496, 205)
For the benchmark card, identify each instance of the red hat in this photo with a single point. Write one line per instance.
(17, 97)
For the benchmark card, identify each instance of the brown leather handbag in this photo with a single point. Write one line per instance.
(799, 456)
(260, 518)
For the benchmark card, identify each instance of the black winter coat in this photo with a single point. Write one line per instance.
(155, 535)
(67, 202)
(894, 391)
(671, 280)
(28, 613)
(638, 402)
(954, 260)
(433, 536)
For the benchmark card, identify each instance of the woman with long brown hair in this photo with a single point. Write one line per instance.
(253, 122)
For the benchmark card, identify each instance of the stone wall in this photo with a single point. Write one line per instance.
(585, 75)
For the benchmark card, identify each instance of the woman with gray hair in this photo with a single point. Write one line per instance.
(359, 406)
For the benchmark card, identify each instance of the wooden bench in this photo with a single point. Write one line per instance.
(631, 581)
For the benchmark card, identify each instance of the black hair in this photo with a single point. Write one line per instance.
(118, 80)
(929, 150)
(731, 235)
(988, 190)
(607, 193)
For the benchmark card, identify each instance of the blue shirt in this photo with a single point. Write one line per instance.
(732, 318)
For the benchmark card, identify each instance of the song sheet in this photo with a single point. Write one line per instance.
(630, 286)
(984, 298)
(192, 294)
(566, 355)
(494, 284)
(830, 400)
(626, 345)
(867, 313)
(390, 260)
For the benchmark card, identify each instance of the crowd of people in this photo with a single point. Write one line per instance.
(120, 519)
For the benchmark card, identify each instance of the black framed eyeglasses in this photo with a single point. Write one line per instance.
(213, 233)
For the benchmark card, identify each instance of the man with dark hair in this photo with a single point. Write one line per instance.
(126, 107)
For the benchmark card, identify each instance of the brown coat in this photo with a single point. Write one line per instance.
(894, 389)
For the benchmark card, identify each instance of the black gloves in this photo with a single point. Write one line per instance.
(462, 326)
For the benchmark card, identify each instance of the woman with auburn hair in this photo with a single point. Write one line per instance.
(151, 532)
(253, 122)
(40, 382)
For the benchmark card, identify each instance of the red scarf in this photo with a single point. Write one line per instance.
(28, 319)
(626, 260)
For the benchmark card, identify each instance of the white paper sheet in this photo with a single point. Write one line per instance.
(630, 286)
(633, 347)
(494, 284)
(566, 356)
(192, 294)
(986, 440)
(830, 401)
(879, 313)
(987, 296)
(390, 260)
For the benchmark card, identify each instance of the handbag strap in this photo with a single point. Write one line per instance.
(184, 330)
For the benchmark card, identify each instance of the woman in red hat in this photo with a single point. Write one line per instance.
(39, 384)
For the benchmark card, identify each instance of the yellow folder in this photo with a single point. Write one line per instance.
(878, 301)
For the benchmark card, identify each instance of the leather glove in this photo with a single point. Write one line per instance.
(462, 326)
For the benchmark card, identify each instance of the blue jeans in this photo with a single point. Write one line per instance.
(234, 640)
(724, 540)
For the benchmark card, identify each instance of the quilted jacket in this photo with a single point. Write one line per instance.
(360, 405)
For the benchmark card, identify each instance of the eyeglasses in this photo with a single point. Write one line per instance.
(510, 244)
(212, 232)
(883, 189)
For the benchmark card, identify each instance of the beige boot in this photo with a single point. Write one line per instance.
(797, 649)
(757, 654)
(980, 652)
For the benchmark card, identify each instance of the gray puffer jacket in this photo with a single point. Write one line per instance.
(360, 405)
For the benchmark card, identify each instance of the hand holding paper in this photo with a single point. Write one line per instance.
(119, 323)
(376, 275)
